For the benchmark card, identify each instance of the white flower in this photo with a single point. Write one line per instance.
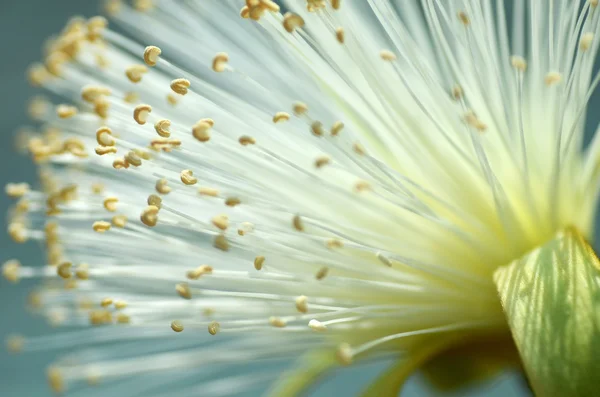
(358, 170)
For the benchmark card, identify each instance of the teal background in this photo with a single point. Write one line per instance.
(23, 27)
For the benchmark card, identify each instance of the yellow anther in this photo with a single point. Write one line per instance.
(552, 78)
(135, 72)
(101, 106)
(334, 243)
(335, 4)
(199, 272)
(133, 158)
(316, 325)
(37, 74)
(96, 24)
(322, 161)
(17, 231)
(518, 63)
(141, 112)
(104, 136)
(297, 223)
(208, 191)
(188, 178)
(221, 243)
(120, 163)
(102, 150)
(110, 203)
(143, 5)
(315, 5)
(183, 289)
(586, 41)
(383, 259)
(232, 201)
(246, 140)
(180, 86)
(22, 206)
(457, 92)
(161, 186)
(387, 55)
(214, 327)
(149, 216)
(208, 312)
(277, 322)
(101, 61)
(101, 226)
(10, 270)
(119, 305)
(259, 262)
(172, 99)
(317, 128)
(100, 317)
(123, 318)
(245, 12)
(154, 200)
(38, 107)
(162, 128)
(119, 221)
(362, 186)
(594, 3)
(56, 380)
(66, 111)
(344, 354)
(463, 18)
(219, 62)
(300, 108)
(55, 62)
(201, 131)
(339, 35)
(97, 188)
(292, 22)
(281, 117)
(221, 221)
(16, 190)
(472, 120)
(106, 302)
(15, 343)
(82, 272)
(90, 93)
(358, 149)
(322, 273)
(131, 97)
(64, 270)
(302, 304)
(176, 326)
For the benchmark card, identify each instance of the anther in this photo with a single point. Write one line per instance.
(344, 354)
(339, 35)
(180, 86)
(208, 191)
(552, 78)
(131, 97)
(335, 4)
(358, 149)
(383, 259)
(172, 99)
(519, 63)
(110, 203)
(316, 325)
(119, 305)
(316, 128)
(245, 12)
(292, 22)
(38, 107)
(119, 221)
(246, 140)
(300, 108)
(162, 128)
(135, 72)
(201, 131)
(101, 226)
(176, 326)
(141, 112)
(302, 304)
(232, 201)
(322, 161)
(149, 216)
(10, 270)
(457, 92)
(586, 41)
(277, 322)
(221, 243)
(221, 221)
(214, 327)
(387, 55)
(362, 186)
(97, 188)
(90, 93)
(15, 343)
(56, 380)
(334, 243)
(133, 158)
(123, 318)
(297, 223)
(143, 5)
(82, 272)
(188, 178)
(463, 18)
(102, 150)
(183, 289)
(281, 117)
(199, 272)
(101, 106)
(220, 62)
(64, 270)
(259, 262)
(322, 273)
(16, 190)
(106, 302)
(66, 111)
(154, 200)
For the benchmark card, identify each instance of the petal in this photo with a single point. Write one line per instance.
(551, 298)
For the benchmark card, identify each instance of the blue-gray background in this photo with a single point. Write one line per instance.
(24, 24)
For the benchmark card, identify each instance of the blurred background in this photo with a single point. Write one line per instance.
(25, 24)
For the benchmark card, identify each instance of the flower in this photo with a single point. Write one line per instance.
(342, 180)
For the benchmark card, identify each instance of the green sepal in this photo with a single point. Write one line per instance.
(551, 298)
